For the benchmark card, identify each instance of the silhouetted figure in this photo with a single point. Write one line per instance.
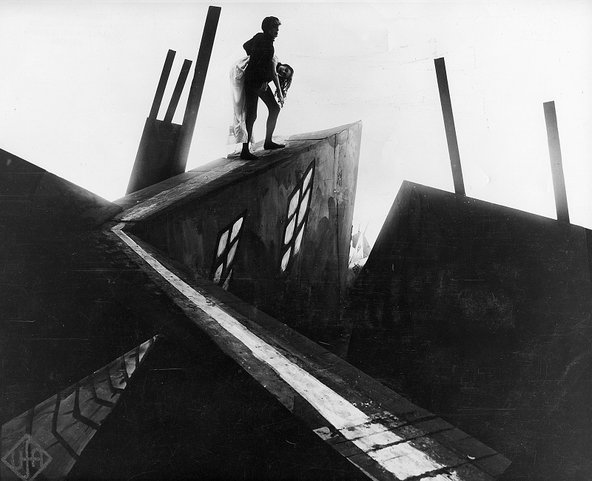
(261, 70)
(238, 129)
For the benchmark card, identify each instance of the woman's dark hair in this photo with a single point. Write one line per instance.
(285, 81)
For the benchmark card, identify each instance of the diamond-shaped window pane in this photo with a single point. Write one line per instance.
(218, 274)
(222, 244)
(305, 191)
(231, 254)
(293, 203)
(307, 180)
(290, 231)
(303, 207)
(286, 259)
(298, 241)
(227, 281)
(236, 229)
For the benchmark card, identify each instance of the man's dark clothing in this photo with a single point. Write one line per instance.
(252, 95)
(260, 51)
(259, 71)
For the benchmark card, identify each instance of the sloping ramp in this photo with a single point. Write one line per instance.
(385, 435)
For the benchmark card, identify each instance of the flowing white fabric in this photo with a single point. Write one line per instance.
(238, 129)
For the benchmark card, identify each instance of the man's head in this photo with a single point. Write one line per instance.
(271, 26)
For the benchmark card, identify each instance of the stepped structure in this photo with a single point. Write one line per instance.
(65, 423)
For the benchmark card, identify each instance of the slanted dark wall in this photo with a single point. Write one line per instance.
(153, 161)
(308, 295)
(37, 201)
(70, 299)
(481, 313)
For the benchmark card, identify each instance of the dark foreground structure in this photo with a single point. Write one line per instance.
(481, 313)
(139, 341)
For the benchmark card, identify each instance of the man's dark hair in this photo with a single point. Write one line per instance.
(269, 22)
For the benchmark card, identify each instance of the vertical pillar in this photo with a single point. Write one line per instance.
(170, 113)
(556, 162)
(457, 177)
(164, 78)
(153, 158)
(197, 86)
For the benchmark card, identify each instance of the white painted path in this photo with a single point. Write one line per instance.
(388, 449)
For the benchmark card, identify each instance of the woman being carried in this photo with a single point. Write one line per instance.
(238, 129)
(250, 77)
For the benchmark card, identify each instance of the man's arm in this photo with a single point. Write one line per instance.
(248, 46)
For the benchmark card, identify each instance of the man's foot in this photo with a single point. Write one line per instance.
(272, 145)
(246, 155)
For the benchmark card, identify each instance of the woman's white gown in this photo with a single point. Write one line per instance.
(238, 129)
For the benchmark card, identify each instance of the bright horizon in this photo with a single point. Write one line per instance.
(79, 79)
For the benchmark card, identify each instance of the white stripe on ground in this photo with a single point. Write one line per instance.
(403, 460)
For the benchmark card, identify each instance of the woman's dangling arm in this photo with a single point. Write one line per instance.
(276, 82)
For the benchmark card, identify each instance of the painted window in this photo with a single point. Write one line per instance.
(298, 207)
(226, 249)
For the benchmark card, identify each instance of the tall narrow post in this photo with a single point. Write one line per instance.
(164, 77)
(457, 177)
(556, 162)
(197, 86)
(155, 154)
(170, 113)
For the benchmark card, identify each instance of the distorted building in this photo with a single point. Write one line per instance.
(193, 328)
(275, 232)
(200, 260)
(481, 313)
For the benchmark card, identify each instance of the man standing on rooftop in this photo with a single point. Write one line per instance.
(261, 70)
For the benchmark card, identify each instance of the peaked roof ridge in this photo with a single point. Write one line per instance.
(36, 200)
(217, 174)
(508, 210)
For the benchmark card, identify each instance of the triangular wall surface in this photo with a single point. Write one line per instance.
(482, 313)
(275, 231)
